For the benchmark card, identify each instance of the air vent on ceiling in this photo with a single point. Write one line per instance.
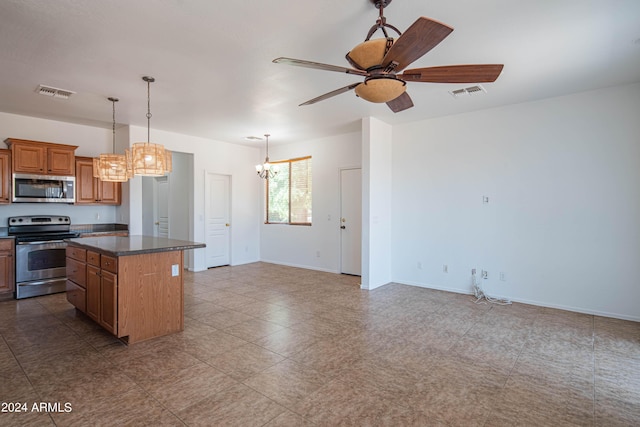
(54, 91)
(253, 138)
(471, 90)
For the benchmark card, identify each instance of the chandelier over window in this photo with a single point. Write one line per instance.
(266, 169)
(113, 167)
(150, 159)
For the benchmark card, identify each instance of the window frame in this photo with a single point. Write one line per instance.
(288, 222)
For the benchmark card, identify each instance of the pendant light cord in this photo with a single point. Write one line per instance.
(148, 111)
(113, 125)
(149, 80)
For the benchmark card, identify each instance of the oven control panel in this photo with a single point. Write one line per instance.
(17, 221)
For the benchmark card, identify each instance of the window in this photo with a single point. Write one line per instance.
(289, 192)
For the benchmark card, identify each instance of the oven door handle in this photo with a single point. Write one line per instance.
(40, 282)
(41, 243)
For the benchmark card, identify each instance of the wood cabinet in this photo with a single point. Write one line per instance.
(77, 277)
(5, 176)
(102, 290)
(7, 269)
(42, 158)
(136, 296)
(90, 190)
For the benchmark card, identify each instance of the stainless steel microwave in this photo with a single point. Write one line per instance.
(43, 188)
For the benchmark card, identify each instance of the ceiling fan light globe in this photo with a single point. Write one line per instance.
(369, 53)
(380, 90)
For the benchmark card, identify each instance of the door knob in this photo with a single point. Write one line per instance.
(157, 223)
(227, 225)
(343, 227)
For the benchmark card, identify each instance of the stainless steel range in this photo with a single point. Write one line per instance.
(40, 253)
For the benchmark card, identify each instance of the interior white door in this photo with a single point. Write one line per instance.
(162, 207)
(351, 221)
(217, 212)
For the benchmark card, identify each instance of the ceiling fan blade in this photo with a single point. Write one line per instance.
(319, 66)
(331, 94)
(477, 73)
(400, 103)
(422, 36)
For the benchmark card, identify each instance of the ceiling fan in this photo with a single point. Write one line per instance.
(381, 60)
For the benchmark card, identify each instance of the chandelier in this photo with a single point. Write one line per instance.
(150, 159)
(265, 170)
(113, 167)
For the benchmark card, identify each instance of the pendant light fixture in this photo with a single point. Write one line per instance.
(150, 159)
(265, 170)
(113, 167)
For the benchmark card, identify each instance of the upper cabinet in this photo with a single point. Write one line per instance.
(5, 176)
(90, 190)
(42, 158)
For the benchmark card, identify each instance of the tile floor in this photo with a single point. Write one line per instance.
(268, 345)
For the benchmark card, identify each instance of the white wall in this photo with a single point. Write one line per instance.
(298, 245)
(376, 203)
(563, 219)
(212, 156)
(90, 140)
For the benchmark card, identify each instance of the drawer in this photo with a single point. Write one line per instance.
(93, 258)
(77, 296)
(109, 263)
(6, 244)
(77, 271)
(76, 253)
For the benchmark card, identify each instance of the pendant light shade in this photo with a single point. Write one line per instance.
(113, 167)
(147, 158)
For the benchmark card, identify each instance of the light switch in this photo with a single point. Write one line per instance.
(175, 270)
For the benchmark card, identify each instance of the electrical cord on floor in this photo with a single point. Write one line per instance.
(481, 296)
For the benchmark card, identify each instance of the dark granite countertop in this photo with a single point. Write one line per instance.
(133, 245)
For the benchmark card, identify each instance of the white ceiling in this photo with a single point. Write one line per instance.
(215, 79)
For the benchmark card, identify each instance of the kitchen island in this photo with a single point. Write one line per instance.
(132, 286)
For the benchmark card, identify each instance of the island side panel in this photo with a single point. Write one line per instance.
(150, 299)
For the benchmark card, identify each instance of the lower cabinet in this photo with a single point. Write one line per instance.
(93, 292)
(7, 281)
(98, 298)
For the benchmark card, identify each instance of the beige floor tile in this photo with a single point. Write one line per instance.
(245, 361)
(253, 329)
(325, 353)
(188, 386)
(287, 342)
(224, 319)
(289, 419)
(238, 405)
(287, 383)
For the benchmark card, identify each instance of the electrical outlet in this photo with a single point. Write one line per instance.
(419, 266)
(485, 274)
(502, 277)
(473, 271)
(445, 268)
(317, 254)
